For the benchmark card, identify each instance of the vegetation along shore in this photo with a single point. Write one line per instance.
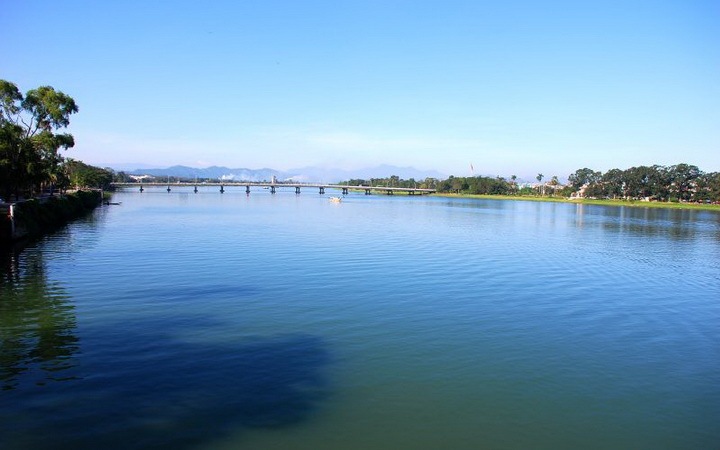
(40, 189)
(588, 201)
(32, 218)
(678, 186)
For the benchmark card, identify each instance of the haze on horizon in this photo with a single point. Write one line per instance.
(516, 87)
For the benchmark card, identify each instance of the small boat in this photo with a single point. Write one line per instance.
(335, 199)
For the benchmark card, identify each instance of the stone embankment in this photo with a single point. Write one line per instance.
(38, 216)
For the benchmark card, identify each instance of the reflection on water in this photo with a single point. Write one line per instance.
(269, 322)
(647, 222)
(37, 325)
(180, 394)
(139, 385)
(146, 383)
(174, 394)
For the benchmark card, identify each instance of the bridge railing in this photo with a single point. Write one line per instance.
(277, 185)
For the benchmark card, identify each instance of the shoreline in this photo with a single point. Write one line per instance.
(628, 203)
(33, 218)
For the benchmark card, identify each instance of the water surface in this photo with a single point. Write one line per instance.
(209, 321)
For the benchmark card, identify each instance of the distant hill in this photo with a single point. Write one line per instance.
(210, 172)
(305, 174)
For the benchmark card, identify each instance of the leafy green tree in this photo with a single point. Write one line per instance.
(29, 138)
(583, 177)
(429, 183)
(711, 187)
(457, 184)
(83, 175)
(615, 182)
(682, 178)
(637, 182)
(121, 177)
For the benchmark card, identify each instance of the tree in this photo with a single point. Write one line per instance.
(82, 175)
(429, 183)
(539, 177)
(29, 141)
(457, 184)
(682, 179)
(583, 177)
(613, 183)
(711, 187)
(554, 182)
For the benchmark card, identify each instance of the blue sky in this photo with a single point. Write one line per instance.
(513, 87)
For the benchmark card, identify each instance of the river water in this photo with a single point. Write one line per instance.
(208, 321)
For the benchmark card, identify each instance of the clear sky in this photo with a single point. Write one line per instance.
(512, 87)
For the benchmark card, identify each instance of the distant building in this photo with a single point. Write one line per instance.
(581, 192)
(273, 179)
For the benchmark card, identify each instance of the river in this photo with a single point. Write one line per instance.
(232, 321)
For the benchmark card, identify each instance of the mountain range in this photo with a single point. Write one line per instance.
(305, 174)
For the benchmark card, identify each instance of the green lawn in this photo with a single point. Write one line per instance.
(637, 204)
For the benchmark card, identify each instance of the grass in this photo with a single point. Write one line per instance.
(629, 203)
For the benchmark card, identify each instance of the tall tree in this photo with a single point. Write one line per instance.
(539, 177)
(583, 177)
(82, 175)
(29, 138)
(613, 183)
(682, 178)
(554, 182)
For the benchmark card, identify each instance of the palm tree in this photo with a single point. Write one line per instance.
(539, 177)
(554, 183)
(514, 185)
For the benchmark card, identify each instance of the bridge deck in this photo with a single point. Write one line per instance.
(273, 186)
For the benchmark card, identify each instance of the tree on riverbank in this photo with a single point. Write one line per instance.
(29, 137)
(541, 188)
(680, 182)
(82, 175)
(677, 183)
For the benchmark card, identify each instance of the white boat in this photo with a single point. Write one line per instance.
(335, 199)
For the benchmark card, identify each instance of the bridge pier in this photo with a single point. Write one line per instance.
(169, 186)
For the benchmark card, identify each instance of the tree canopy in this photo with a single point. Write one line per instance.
(680, 182)
(84, 175)
(30, 139)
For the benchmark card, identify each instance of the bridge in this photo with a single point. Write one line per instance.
(273, 187)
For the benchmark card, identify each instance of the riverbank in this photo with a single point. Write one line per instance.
(39, 216)
(629, 203)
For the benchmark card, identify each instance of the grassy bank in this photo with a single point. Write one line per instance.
(629, 203)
